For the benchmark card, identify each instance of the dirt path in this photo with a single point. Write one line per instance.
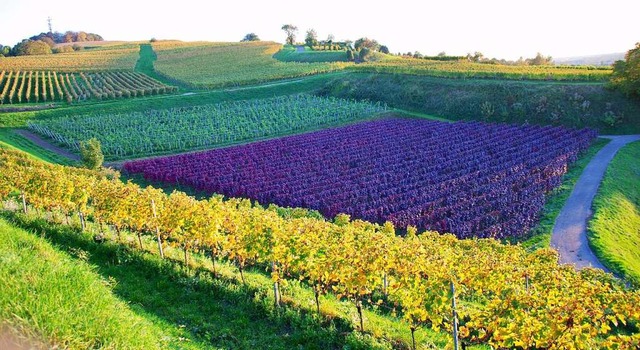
(569, 235)
(45, 144)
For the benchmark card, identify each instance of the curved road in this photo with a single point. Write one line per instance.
(569, 235)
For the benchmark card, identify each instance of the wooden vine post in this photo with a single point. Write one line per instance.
(455, 316)
(155, 217)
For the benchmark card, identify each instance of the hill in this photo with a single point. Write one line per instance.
(591, 60)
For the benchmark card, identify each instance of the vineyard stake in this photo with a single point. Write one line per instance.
(24, 203)
(155, 216)
(455, 317)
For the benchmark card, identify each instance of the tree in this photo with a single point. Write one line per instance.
(31, 47)
(368, 43)
(384, 49)
(442, 54)
(291, 31)
(476, 57)
(350, 56)
(4, 51)
(539, 60)
(312, 38)
(364, 53)
(69, 37)
(91, 153)
(250, 37)
(626, 74)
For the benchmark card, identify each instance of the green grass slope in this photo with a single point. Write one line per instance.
(614, 230)
(48, 296)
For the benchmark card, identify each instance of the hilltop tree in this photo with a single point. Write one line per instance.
(626, 74)
(539, 60)
(291, 31)
(384, 49)
(91, 153)
(367, 43)
(312, 38)
(250, 37)
(31, 47)
(476, 57)
(4, 50)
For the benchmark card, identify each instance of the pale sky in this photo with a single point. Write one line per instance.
(497, 28)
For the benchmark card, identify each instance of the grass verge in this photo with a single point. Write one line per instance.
(11, 140)
(540, 236)
(614, 230)
(54, 299)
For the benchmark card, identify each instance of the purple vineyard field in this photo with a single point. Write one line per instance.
(469, 178)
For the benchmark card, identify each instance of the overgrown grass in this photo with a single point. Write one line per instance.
(540, 236)
(224, 312)
(48, 296)
(614, 230)
(11, 140)
(507, 101)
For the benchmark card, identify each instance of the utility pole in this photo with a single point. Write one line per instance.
(50, 26)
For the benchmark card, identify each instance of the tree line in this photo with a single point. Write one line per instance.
(45, 43)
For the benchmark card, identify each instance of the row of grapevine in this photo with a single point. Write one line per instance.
(472, 179)
(507, 297)
(182, 129)
(44, 86)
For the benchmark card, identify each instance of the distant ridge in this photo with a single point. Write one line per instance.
(592, 60)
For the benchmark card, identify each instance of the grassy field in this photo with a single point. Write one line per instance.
(291, 54)
(614, 230)
(55, 299)
(546, 103)
(115, 56)
(214, 65)
(464, 69)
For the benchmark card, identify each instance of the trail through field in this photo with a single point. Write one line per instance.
(569, 234)
(45, 144)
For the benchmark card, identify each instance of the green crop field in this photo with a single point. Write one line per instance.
(184, 129)
(212, 65)
(464, 69)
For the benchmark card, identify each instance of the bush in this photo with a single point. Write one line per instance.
(91, 153)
